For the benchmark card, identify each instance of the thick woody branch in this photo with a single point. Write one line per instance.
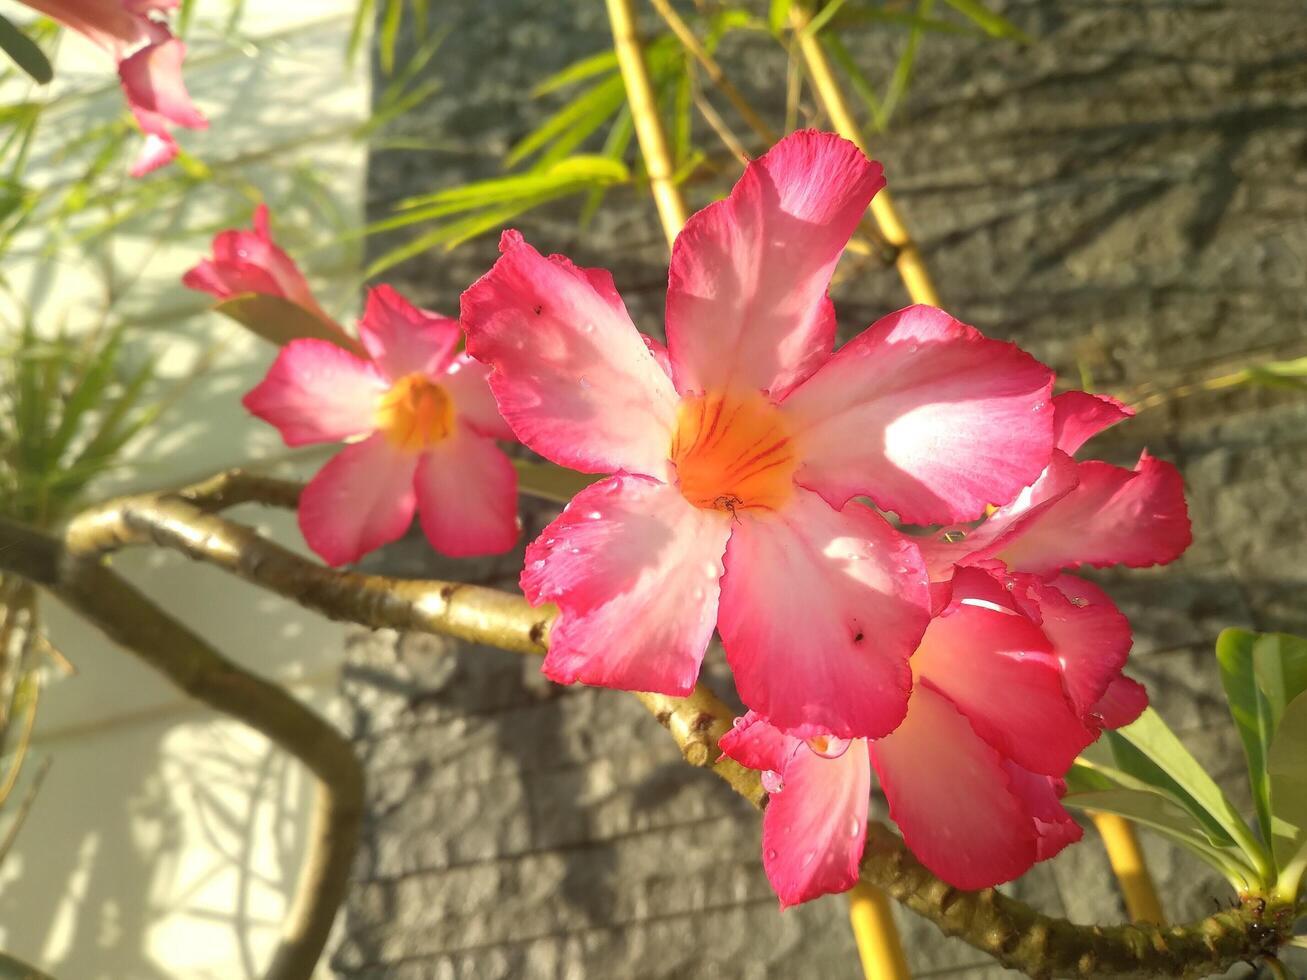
(126, 616)
(1013, 932)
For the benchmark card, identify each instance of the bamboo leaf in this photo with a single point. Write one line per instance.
(822, 17)
(995, 25)
(390, 22)
(358, 29)
(778, 15)
(25, 52)
(584, 114)
(601, 63)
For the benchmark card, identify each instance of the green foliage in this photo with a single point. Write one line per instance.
(67, 409)
(1144, 773)
(24, 52)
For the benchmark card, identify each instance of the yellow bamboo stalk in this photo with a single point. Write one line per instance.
(1127, 860)
(909, 262)
(876, 935)
(644, 113)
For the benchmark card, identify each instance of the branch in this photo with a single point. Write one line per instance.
(126, 616)
(1008, 929)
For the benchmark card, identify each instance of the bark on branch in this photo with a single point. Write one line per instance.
(1011, 931)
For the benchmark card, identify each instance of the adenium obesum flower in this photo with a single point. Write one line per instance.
(251, 262)
(421, 426)
(149, 66)
(737, 449)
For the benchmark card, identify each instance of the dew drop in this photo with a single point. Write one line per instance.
(574, 550)
(1038, 406)
(807, 858)
(584, 382)
(828, 746)
(738, 722)
(587, 328)
(1079, 601)
(855, 827)
(772, 781)
(771, 854)
(913, 348)
(538, 564)
(594, 515)
(549, 541)
(712, 569)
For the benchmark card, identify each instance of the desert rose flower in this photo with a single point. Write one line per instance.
(972, 776)
(421, 427)
(736, 451)
(149, 66)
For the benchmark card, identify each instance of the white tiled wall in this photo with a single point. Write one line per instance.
(165, 841)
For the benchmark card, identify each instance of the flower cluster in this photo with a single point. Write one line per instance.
(750, 475)
(149, 62)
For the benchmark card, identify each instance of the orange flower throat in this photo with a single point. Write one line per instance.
(415, 413)
(733, 452)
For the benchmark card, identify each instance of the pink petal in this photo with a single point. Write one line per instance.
(1090, 637)
(467, 496)
(571, 375)
(925, 416)
(951, 797)
(999, 669)
(820, 611)
(363, 498)
(659, 351)
(158, 150)
(152, 79)
(634, 569)
(1042, 797)
(1124, 701)
(227, 279)
(756, 743)
(963, 544)
(403, 339)
(317, 392)
(814, 827)
(465, 382)
(1115, 516)
(746, 297)
(1078, 416)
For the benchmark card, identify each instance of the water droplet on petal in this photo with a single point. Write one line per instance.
(738, 722)
(584, 382)
(855, 827)
(913, 348)
(772, 781)
(828, 746)
(594, 515)
(712, 570)
(807, 858)
(1079, 601)
(538, 564)
(574, 550)
(771, 854)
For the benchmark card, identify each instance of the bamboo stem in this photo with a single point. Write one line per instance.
(644, 113)
(1127, 860)
(876, 934)
(909, 262)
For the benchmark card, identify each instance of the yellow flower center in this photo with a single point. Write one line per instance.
(733, 452)
(415, 413)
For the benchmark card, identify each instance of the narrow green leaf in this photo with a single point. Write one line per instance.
(390, 21)
(616, 144)
(358, 29)
(861, 85)
(1248, 708)
(898, 84)
(1277, 374)
(1164, 816)
(1154, 740)
(995, 25)
(586, 112)
(778, 15)
(600, 63)
(24, 52)
(1286, 763)
(822, 17)
(280, 321)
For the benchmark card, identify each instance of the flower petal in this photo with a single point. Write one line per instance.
(951, 797)
(746, 297)
(999, 669)
(634, 569)
(815, 826)
(755, 742)
(1078, 416)
(363, 498)
(571, 375)
(925, 416)
(403, 339)
(1090, 637)
(316, 392)
(1123, 702)
(152, 79)
(820, 611)
(1114, 516)
(1041, 796)
(467, 496)
(158, 150)
(465, 381)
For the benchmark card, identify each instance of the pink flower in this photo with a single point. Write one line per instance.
(737, 449)
(972, 775)
(421, 426)
(251, 262)
(149, 65)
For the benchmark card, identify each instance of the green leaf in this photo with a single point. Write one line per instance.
(24, 52)
(582, 115)
(1277, 374)
(1158, 745)
(550, 482)
(1248, 708)
(1280, 662)
(1286, 764)
(1167, 818)
(898, 84)
(995, 25)
(358, 29)
(778, 15)
(601, 63)
(861, 85)
(389, 34)
(280, 321)
(822, 17)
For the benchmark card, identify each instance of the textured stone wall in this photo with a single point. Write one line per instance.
(1126, 199)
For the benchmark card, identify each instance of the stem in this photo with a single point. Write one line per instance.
(1010, 930)
(909, 262)
(876, 935)
(644, 112)
(1127, 860)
